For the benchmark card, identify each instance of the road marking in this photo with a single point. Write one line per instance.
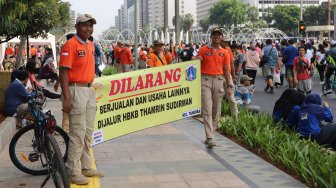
(94, 181)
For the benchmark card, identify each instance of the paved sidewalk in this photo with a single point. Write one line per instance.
(171, 155)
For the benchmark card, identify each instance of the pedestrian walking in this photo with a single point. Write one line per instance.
(77, 72)
(126, 58)
(215, 67)
(302, 72)
(156, 58)
(268, 68)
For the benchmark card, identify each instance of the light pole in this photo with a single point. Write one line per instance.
(136, 23)
(329, 19)
(334, 19)
(177, 16)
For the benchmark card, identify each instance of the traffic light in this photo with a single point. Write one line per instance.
(302, 27)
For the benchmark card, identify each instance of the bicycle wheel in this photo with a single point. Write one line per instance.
(56, 163)
(24, 153)
(8, 66)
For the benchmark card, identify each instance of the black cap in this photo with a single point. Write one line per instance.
(216, 30)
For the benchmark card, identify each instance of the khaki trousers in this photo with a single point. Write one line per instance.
(65, 122)
(118, 66)
(81, 118)
(126, 68)
(212, 95)
(232, 100)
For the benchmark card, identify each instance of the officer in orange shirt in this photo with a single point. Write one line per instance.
(157, 58)
(142, 58)
(116, 52)
(168, 55)
(33, 51)
(77, 72)
(215, 67)
(9, 53)
(126, 58)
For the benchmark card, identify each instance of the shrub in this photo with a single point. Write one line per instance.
(311, 162)
(109, 70)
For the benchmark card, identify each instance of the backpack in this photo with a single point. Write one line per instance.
(264, 59)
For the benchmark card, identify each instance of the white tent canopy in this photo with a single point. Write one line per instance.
(49, 40)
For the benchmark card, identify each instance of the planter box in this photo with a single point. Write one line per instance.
(5, 77)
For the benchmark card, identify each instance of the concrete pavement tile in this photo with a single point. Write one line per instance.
(170, 178)
(141, 179)
(203, 184)
(228, 179)
(173, 185)
(195, 177)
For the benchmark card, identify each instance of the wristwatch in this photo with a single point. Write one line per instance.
(230, 86)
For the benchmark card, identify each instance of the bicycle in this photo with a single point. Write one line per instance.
(34, 149)
(8, 65)
(332, 87)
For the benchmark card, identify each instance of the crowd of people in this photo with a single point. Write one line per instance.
(228, 70)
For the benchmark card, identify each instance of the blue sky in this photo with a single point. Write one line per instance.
(103, 11)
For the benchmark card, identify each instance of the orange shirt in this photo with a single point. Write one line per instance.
(228, 49)
(117, 52)
(126, 56)
(142, 56)
(78, 56)
(33, 51)
(213, 61)
(169, 57)
(154, 61)
(9, 51)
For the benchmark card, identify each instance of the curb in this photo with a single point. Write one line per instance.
(7, 131)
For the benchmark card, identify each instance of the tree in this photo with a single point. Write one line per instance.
(252, 14)
(64, 24)
(228, 13)
(33, 18)
(11, 12)
(267, 15)
(186, 22)
(205, 23)
(286, 18)
(316, 15)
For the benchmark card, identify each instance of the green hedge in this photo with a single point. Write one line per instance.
(109, 70)
(312, 163)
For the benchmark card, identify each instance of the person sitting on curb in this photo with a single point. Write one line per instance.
(287, 106)
(30, 67)
(244, 94)
(16, 96)
(310, 117)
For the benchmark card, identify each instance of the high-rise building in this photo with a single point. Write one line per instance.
(143, 13)
(203, 6)
(73, 20)
(156, 11)
(116, 21)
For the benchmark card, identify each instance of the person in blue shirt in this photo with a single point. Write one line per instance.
(268, 68)
(16, 96)
(244, 94)
(310, 117)
(97, 57)
(288, 55)
(287, 106)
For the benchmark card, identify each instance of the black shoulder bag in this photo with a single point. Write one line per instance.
(264, 59)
